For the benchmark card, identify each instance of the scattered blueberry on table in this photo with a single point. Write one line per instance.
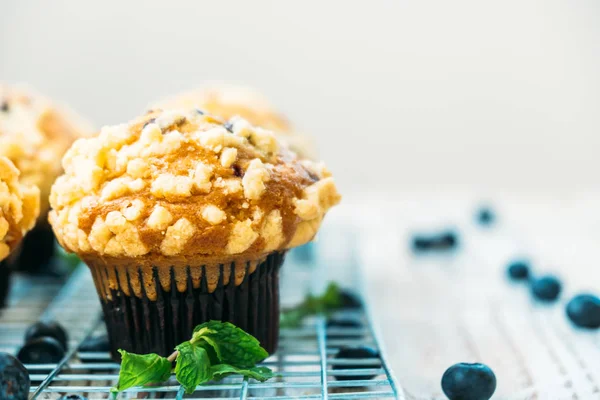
(445, 240)
(584, 311)
(485, 216)
(51, 329)
(518, 270)
(42, 350)
(14, 379)
(466, 381)
(360, 352)
(546, 288)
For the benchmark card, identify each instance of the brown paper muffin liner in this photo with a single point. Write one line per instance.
(37, 250)
(151, 309)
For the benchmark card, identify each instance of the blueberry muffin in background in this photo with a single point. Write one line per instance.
(228, 101)
(19, 209)
(34, 134)
(183, 217)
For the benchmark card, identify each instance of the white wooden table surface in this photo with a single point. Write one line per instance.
(438, 310)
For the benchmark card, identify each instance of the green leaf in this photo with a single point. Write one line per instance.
(330, 300)
(291, 318)
(140, 370)
(231, 344)
(193, 366)
(259, 373)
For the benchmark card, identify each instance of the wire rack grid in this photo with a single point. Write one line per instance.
(305, 361)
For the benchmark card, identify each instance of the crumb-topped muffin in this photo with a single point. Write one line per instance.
(178, 207)
(229, 101)
(34, 134)
(19, 209)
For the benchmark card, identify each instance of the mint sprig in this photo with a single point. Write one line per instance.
(216, 350)
(329, 301)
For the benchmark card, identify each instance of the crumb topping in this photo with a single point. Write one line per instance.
(34, 135)
(181, 183)
(242, 107)
(19, 207)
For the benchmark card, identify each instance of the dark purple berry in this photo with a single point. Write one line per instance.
(485, 216)
(350, 353)
(50, 329)
(42, 350)
(465, 381)
(546, 288)
(14, 379)
(584, 311)
(518, 270)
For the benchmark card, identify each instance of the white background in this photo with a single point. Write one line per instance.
(398, 94)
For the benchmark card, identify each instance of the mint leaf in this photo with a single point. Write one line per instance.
(140, 370)
(192, 367)
(231, 344)
(327, 302)
(259, 373)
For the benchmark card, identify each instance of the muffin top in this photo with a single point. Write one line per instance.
(19, 207)
(182, 183)
(228, 101)
(34, 135)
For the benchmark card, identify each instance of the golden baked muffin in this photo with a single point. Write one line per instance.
(183, 218)
(34, 134)
(228, 101)
(19, 209)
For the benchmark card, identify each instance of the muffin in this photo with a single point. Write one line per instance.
(228, 101)
(19, 208)
(34, 135)
(183, 218)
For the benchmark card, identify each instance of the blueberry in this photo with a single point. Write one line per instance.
(4, 106)
(52, 329)
(95, 343)
(350, 300)
(42, 350)
(584, 311)
(445, 240)
(229, 126)
(72, 397)
(360, 352)
(518, 270)
(14, 379)
(344, 323)
(465, 381)
(485, 216)
(546, 288)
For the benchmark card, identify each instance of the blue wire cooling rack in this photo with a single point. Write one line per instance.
(305, 360)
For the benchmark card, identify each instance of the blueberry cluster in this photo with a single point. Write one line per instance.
(583, 310)
(545, 288)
